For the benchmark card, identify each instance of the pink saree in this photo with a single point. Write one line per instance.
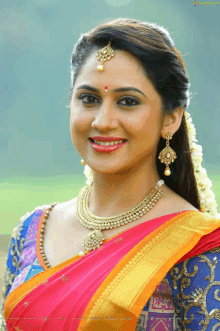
(108, 288)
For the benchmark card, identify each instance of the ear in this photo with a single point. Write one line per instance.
(171, 123)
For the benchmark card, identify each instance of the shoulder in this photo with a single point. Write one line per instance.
(25, 218)
(185, 205)
(20, 229)
(65, 208)
(63, 212)
(15, 245)
(193, 287)
(175, 203)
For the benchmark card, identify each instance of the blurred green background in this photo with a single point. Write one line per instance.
(38, 162)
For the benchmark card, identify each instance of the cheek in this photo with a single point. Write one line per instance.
(80, 126)
(144, 129)
(138, 125)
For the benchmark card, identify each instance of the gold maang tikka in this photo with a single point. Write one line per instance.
(106, 53)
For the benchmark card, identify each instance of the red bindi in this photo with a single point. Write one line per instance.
(106, 88)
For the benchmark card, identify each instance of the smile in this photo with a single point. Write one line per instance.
(102, 147)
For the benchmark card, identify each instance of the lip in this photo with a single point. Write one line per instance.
(106, 149)
(106, 139)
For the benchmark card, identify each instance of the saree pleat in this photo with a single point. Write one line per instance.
(107, 288)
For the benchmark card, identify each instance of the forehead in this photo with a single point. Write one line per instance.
(121, 60)
(121, 70)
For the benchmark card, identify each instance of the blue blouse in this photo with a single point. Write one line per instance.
(187, 299)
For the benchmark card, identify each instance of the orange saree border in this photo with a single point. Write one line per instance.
(119, 300)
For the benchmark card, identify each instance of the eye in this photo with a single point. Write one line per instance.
(82, 96)
(90, 96)
(131, 100)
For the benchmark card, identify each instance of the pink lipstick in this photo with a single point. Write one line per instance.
(106, 149)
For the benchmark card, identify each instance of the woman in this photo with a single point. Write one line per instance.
(152, 255)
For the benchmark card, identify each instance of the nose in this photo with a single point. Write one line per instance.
(105, 118)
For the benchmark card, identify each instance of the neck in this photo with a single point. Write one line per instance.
(115, 193)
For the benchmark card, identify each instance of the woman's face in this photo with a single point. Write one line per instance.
(132, 115)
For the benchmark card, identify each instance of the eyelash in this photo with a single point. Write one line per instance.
(92, 96)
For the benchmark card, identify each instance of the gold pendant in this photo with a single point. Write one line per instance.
(167, 155)
(106, 53)
(93, 240)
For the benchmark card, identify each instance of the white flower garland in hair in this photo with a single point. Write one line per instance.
(207, 197)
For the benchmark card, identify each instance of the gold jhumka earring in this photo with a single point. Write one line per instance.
(167, 155)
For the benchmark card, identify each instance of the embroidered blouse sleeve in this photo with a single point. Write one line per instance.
(195, 283)
(12, 262)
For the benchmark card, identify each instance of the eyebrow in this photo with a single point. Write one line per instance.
(120, 89)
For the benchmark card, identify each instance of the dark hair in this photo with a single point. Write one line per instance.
(163, 64)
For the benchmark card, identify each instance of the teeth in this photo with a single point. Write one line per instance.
(108, 143)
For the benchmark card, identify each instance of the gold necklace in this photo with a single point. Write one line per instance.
(94, 239)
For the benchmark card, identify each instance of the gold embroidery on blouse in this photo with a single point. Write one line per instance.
(198, 298)
(215, 250)
(16, 249)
